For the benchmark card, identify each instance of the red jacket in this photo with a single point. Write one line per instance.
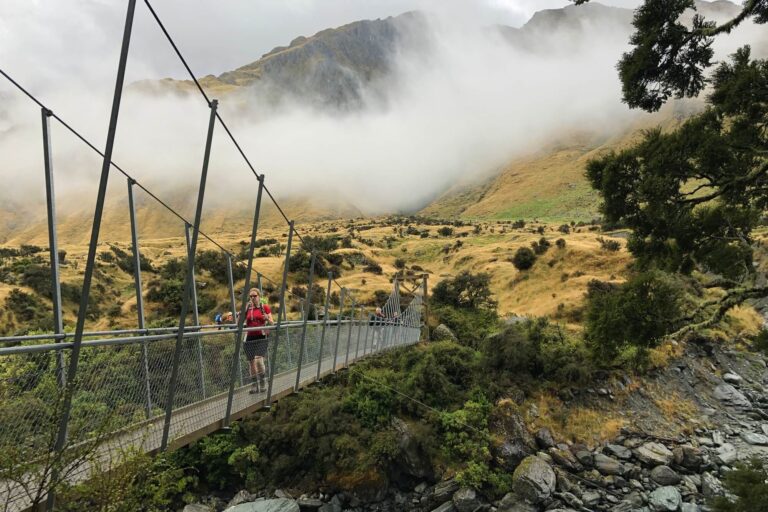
(256, 317)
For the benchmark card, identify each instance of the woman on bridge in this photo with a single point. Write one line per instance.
(256, 342)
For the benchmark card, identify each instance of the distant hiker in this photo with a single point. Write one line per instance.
(217, 320)
(256, 342)
(377, 319)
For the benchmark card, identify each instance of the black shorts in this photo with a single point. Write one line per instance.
(256, 345)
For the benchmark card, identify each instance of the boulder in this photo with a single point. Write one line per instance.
(276, 505)
(197, 507)
(731, 396)
(690, 507)
(711, 485)
(309, 504)
(608, 465)
(565, 459)
(448, 506)
(544, 438)
(511, 502)
(586, 458)
(443, 333)
(726, 454)
(534, 480)
(241, 497)
(654, 454)
(664, 475)
(689, 457)
(466, 500)
(732, 378)
(753, 438)
(616, 450)
(444, 490)
(665, 499)
(515, 442)
(411, 459)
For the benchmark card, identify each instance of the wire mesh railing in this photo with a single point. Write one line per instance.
(119, 400)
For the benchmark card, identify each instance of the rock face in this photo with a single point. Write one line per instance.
(277, 505)
(465, 500)
(731, 396)
(607, 465)
(534, 480)
(689, 457)
(411, 460)
(515, 443)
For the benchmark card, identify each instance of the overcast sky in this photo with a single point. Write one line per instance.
(43, 40)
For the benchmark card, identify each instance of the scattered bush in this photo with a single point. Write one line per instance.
(748, 484)
(636, 314)
(560, 243)
(524, 258)
(608, 244)
(518, 224)
(564, 229)
(541, 246)
(445, 231)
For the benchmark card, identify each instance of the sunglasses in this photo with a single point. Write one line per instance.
(252, 296)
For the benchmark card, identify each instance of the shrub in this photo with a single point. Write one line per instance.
(445, 231)
(215, 262)
(524, 258)
(400, 263)
(518, 224)
(635, 314)
(541, 246)
(609, 245)
(465, 290)
(760, 343)
(373, 267)
(564, 229)
(560, 243)
(748, 484)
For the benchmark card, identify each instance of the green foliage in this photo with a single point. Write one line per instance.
(466, 441)
(465, 290)
(471, 326)
(760, 343)
(30, 310)
(371, 402)
(445, 231)
(608, 244)
(524, 258)
(636, 314)
(692, 197)
(215, 262)
(124, 261)
(534, 349)
(541, 246)
(748, 483)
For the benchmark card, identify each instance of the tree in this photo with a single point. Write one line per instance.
(465, 290)
(668, 58)
(693, 197)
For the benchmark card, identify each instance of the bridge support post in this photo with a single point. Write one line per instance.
(365, 338)
(338, 327)
(425, 299)
(189, 280)
(258, 284)
(61, 437)
(359, 332)
(139, 295)
(195, 311)
(325, 324)
(349, 335)
(232, 304)
(243, 305)
(283, 286)
(305, 319)
(53, 245)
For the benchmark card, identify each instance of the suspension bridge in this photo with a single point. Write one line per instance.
(74, 403)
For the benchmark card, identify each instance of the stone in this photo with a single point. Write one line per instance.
(731, 396)
(511, 502)
(444, 490)
(689, 457)
(753, 438)
(465, 500)
(732, 378)
(421, 488)
(726, 454)
(654, 454)
(764, 428)
(608, 465)
(279, 493)
(276, 505)
(308, 504)
(717, 437)
(448, 506)
(241, 497)
(197, 507)
(516, 443)
(585, 457)
(565, 459)
(590, 498)
(443, 333)
(411, 459)
(534, 480)
(571, 500)
(664, 475)
(711, 485)
(665, 499)
(689, 507)
(616, 450)
(544, 438)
